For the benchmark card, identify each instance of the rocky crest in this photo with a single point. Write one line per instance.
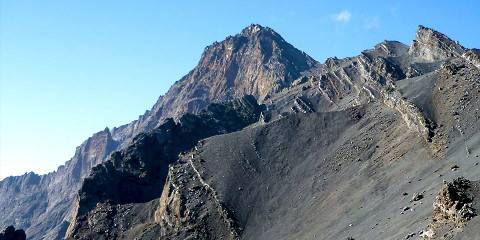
(257, 62)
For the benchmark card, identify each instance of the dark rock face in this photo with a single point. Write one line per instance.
(11, 234)
(255, 62)
(137, 174)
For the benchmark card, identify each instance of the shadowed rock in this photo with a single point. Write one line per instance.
(11, 234)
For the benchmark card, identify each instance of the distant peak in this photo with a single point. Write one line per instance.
(104, 133)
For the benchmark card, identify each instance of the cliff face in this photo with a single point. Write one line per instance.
(257, 61)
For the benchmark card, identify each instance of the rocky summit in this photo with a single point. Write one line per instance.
(260, 141)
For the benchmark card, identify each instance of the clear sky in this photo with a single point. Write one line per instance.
(70, 68)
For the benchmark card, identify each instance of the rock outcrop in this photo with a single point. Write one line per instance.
(473, 56)
(452, 208)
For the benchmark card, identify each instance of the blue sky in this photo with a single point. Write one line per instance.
(70, 68)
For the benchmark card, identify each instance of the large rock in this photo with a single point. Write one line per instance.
(452, 209)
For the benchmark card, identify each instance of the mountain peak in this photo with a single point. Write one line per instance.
(429, 34)
(432, 45)
(253, 28)
(257, 61)
(256, 29)
(253, 32)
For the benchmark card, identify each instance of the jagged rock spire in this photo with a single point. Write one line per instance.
(432, 45)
